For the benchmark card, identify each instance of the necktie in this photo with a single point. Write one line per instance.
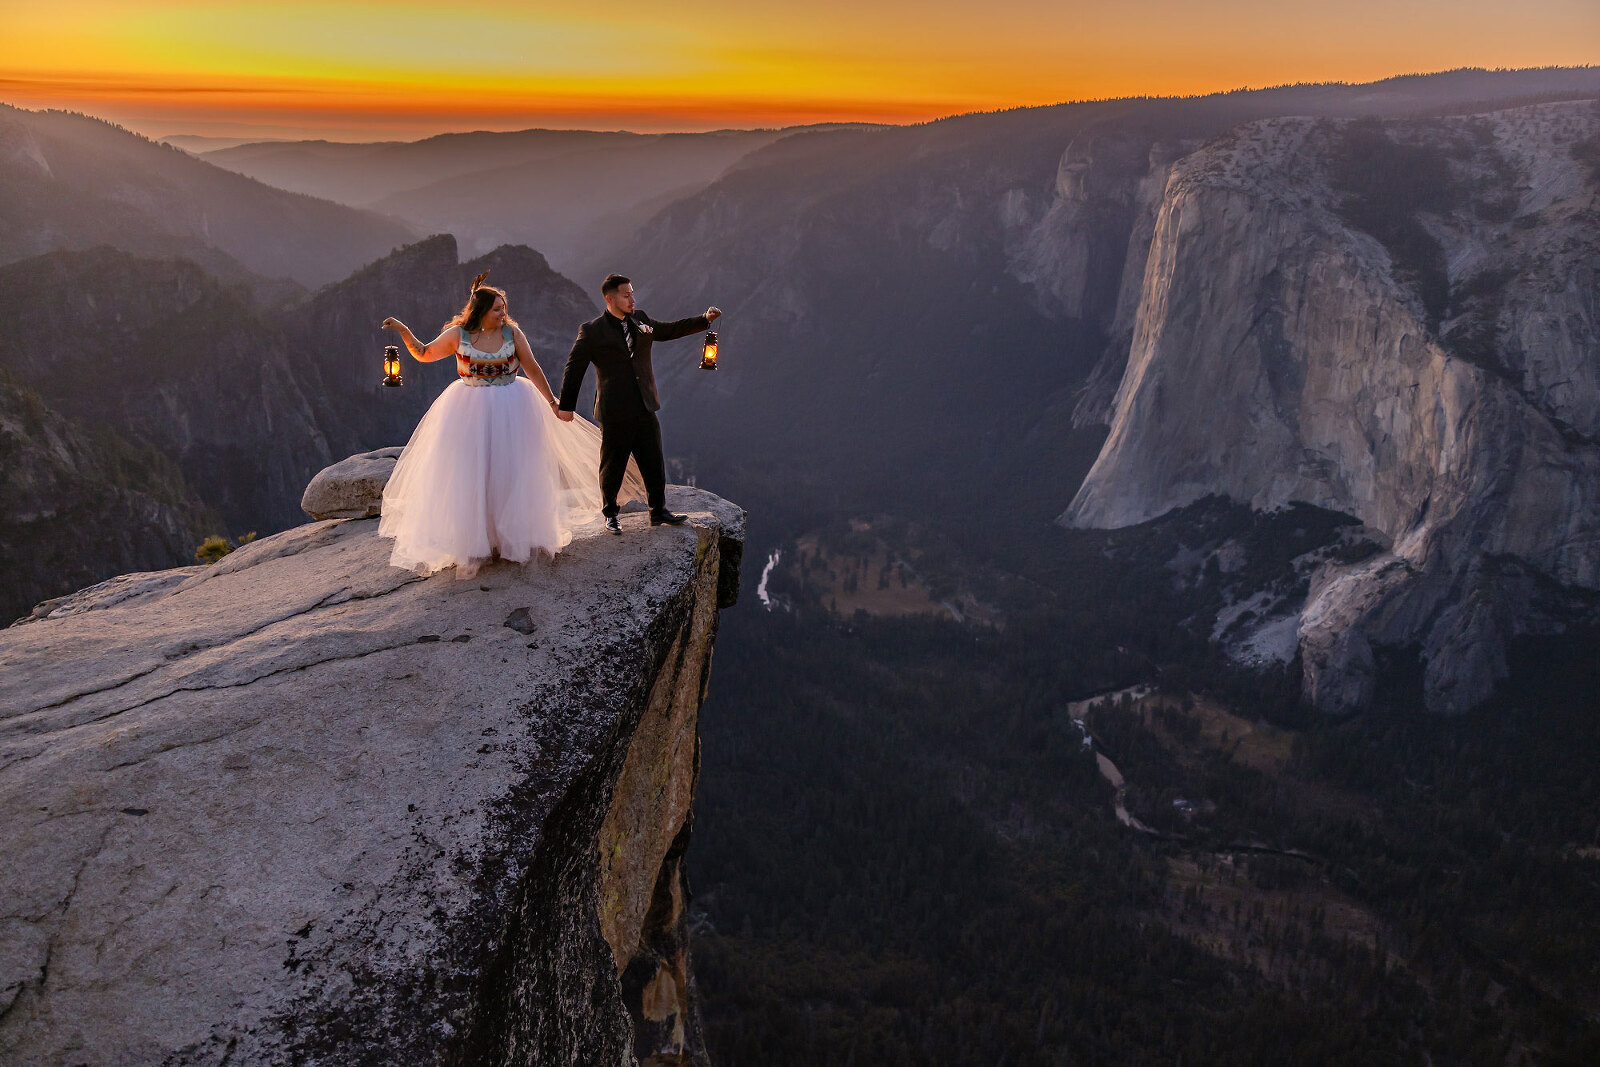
(627, 335)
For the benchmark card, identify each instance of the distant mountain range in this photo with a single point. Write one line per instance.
(573, 194)
(196, 143)
(70, 181)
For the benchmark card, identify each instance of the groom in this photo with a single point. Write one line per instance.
(625, 404)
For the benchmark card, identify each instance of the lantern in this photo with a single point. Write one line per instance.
(391, 366)
(708, 358)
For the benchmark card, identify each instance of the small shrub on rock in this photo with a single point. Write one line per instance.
(212, 549)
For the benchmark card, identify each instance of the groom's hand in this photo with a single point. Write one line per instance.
(564, 416)
(712, 315)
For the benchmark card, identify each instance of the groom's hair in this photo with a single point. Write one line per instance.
(614, 282)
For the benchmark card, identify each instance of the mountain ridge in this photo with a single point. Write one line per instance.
(73, 181)
(560, 191)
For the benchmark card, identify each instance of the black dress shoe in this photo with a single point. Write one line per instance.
(663, 517)
(614, 524)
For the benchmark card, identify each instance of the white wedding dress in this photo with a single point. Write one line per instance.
(490, 471)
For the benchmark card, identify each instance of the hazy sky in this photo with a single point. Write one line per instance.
(364, 70)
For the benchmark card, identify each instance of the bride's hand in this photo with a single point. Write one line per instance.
(391, 324)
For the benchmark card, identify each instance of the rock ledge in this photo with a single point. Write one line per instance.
(304, 807)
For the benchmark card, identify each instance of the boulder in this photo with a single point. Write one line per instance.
(351, 488)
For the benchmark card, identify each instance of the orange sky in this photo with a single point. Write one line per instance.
(402, 68)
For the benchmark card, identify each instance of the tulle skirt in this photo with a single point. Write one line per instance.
(490, 471)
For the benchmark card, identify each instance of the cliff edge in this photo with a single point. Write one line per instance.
(301, 806)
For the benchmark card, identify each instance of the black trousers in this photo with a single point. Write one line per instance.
(639, 436)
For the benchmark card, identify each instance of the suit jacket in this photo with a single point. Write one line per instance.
(624, 387)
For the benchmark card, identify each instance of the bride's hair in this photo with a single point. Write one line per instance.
(478, 305)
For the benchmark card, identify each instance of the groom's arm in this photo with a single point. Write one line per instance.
(671, 331)
(577, 365)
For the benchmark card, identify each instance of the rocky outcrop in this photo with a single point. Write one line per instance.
(82, 504)
(1069, 256)
(1421, 353)
(304, 807)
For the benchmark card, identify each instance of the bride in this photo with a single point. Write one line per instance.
(490, 470)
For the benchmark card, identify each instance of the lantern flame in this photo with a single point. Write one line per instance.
(391, 366)
(708, 358)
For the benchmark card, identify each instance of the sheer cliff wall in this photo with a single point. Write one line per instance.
(1397, 321)
(303, 807)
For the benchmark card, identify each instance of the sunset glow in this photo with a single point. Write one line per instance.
(362, 70)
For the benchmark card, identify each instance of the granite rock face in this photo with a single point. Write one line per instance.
(1427, 360)
(1085, 256)
(83, 504)
(303, 807)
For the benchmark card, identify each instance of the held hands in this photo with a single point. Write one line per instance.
(564, 416)
(712, 315)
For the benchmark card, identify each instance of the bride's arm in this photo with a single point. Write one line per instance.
(531, 368)
(441, 347)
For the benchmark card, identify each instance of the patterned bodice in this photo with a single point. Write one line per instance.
(477, 367)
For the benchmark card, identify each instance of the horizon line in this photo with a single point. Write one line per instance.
(802, 126)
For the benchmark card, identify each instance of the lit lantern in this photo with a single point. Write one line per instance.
(708, 358)
(391, 366)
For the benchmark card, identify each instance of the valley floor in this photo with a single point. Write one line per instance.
(907, 852)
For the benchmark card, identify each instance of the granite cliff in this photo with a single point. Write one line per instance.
(1397, 320)
(303, 807)
(81, 503)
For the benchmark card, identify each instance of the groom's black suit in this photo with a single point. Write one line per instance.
(625, 400)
